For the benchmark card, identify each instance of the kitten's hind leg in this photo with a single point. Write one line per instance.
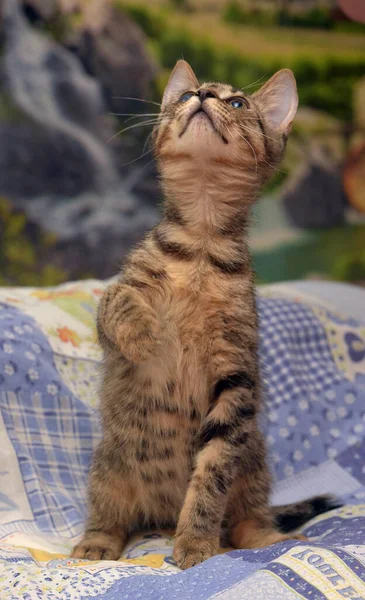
(250, 520)
(111, 502)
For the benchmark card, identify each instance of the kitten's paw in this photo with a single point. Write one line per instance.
(87, 551)
(190, 551)
(139, 340)
(99, 546)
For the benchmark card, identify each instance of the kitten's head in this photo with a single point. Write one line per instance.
(214, 122)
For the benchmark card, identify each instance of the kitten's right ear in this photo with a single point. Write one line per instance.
(182, 79)
(278, 99)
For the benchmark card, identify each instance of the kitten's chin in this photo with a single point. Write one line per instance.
(200, 129)
(199, 138)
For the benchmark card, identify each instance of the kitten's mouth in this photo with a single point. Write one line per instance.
(201, 113)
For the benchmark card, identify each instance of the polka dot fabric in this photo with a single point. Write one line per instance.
(314, 411)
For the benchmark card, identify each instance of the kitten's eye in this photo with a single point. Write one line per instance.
(186, 97)
(236, 103)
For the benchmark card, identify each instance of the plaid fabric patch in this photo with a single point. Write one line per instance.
(53, 437)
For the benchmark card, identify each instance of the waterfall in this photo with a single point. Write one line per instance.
(44, 79)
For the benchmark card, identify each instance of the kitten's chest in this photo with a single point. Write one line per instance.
(194, 303)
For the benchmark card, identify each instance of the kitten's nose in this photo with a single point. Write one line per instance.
(203, 94)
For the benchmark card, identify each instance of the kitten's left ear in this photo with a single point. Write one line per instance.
(182, 79)
(278, 100)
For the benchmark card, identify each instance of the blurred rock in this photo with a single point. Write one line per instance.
(115, 53)
(58, 145)
(93, 233)
(110, 46)
(40, 10)
(314, 196)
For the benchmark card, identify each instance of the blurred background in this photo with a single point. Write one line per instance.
(80, 82)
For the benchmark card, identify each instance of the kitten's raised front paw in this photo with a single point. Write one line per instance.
(190, 551)
(138, 340)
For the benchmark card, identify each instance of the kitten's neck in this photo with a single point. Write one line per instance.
(209, 198)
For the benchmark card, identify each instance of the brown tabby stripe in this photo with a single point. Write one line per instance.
(172, 248)
(158, 477)
(136, 283)
(240, 439)
(235, 226)
(145, 426)
(228, 431)
(164, 454)
(158, 275)
(266, 141)
(228, 268)
(173, 215)
(222, 478)
(239, 379)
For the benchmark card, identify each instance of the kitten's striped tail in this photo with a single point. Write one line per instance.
(291, 516)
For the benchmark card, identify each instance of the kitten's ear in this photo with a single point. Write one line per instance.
(278, 100)
(182, 79)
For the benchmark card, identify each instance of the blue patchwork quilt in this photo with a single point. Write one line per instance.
(313, 365)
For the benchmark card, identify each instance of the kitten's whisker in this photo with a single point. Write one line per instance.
(133, 178)
(138, 158)
(250, 145)
(151, 122)
(146, 142)
(265, 161)
(257, 82)
(253, 131)
(275, 168)
(134, 114)
(138, 99)
(147, 115)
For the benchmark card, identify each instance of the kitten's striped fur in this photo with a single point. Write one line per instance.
(181, 395)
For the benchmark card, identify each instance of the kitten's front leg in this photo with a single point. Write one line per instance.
(223, 438)
(127, 321)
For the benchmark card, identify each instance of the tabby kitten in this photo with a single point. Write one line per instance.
(180, 397)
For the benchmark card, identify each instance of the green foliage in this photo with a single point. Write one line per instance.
(151, 21)
(336, 253)
(20, 256)
(350, 268)
(180, 4)
(349, 27)
(235, 14)
(318, 17)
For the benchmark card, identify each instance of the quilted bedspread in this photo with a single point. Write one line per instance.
(313, 364)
